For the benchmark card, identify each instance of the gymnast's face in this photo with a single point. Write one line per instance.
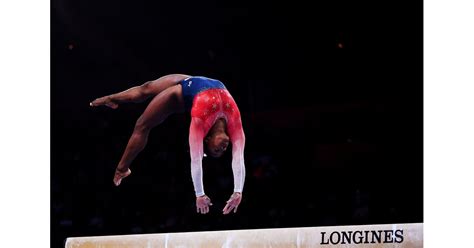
(217, 144)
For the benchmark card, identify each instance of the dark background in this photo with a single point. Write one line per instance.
(331, 96)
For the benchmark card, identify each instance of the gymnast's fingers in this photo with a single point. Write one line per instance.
(225, 208)
(228, 208)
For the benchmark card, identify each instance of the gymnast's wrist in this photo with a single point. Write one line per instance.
(200, 194)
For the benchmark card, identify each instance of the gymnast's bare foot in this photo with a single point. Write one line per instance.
(106, 100)
(119, 175)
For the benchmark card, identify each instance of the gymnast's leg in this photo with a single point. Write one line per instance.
(139, 93)
(168, 102)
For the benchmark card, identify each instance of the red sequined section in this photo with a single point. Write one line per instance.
(209, 103)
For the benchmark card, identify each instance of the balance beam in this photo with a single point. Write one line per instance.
(372, 236)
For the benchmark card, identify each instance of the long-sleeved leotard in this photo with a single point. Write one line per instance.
(208, 100)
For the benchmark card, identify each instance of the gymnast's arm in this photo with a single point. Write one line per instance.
(237, 138)
(197, 131)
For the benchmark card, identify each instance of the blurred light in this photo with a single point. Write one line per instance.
(339, 45)
(70, 46)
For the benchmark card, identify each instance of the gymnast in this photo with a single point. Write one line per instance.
(215, 122)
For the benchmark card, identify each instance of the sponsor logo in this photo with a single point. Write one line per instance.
(362, 237)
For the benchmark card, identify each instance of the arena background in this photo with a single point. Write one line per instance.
(331, 95)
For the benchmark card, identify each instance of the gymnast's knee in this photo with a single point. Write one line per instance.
(142, 126)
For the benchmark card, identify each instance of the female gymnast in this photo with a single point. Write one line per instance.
(215, 121)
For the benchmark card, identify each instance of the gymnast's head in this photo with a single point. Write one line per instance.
(216, 143)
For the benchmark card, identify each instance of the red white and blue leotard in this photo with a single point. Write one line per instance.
(208, 100)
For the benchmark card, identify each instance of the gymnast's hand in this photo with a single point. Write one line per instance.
(119, 175)
(106, 100)
(202, 204)
(233, 203)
